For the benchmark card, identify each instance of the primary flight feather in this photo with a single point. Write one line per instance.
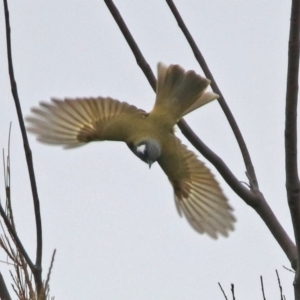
(76, 122)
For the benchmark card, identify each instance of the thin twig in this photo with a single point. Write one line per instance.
(214, 86)
(288, 269)
(8, 183)
(37, 268)
(280, 287)
(291, 163)
(6, 262)
(262, 287)
(232, 291)
(5, 242)
(222, 290)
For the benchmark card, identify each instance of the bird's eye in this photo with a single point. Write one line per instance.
(141, 148)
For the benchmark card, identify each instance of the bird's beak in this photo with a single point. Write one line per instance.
(150, 163)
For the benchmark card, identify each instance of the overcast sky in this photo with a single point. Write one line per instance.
(114, 222)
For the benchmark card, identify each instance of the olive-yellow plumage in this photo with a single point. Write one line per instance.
(150, 136)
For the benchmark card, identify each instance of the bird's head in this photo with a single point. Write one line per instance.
(147, 150)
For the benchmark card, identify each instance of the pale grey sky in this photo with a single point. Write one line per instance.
(113, 222)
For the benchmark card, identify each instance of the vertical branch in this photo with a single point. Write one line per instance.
(232, 291)
(37, 270)
(291, 163)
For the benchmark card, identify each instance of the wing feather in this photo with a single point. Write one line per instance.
(72, 123)
(197, 194)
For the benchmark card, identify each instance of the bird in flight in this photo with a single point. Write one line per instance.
(150, 136)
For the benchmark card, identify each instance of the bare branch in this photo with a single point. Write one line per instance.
(291, 163)
(37, 268)
(49, 273)
(232, 291)
(280, 287)
(262, 287)
(222, 290)
(255, 200)
(132, 44)
(4, 294)
(227, 112)
(288, 269)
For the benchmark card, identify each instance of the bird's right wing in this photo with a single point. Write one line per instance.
(198, 196)
(72, 123)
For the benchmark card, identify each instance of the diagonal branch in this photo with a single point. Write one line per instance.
(222, 291)
(37, 270)
(226, 109)
(255, 200)
(132, 44)
(291, 164)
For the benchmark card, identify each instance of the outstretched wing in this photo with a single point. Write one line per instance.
(72, 123)
(197, 194)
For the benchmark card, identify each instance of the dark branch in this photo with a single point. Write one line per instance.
(255, 200)
(37, 268)
(227, 112)
(132, 44)
(186, 130)
(291, 163)
(232, 291)
(4, 294)
(222, 291)
(280, 287)
(262, 287)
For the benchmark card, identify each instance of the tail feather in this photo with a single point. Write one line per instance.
(179, 92)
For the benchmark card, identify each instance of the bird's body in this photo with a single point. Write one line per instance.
(150, 136)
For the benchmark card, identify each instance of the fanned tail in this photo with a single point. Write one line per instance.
(179, 92)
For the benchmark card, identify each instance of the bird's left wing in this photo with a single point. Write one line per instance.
(72, 123)
(197, 193)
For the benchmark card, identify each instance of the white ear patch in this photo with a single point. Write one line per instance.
(141, 148)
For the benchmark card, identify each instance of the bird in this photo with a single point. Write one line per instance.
(150, 136)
